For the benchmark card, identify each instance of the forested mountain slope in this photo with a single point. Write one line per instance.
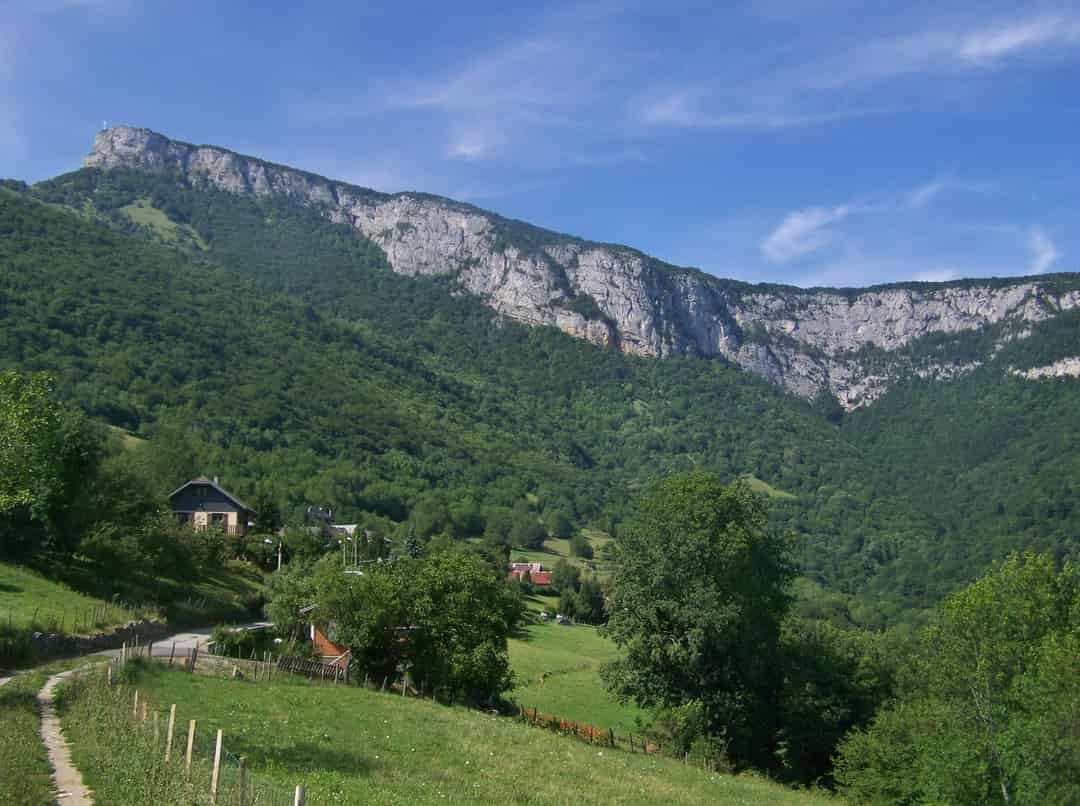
(254, 339)
(807, 341)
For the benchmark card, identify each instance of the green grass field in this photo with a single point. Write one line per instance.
(763, 487)
(141, 212)
(350, 745)
(30, 600)
(559, 549)
(571, 658)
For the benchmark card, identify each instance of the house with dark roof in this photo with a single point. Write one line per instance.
(203, 504)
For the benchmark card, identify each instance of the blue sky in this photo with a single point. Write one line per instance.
(800, 141)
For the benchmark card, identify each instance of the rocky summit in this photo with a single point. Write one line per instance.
(806, 341)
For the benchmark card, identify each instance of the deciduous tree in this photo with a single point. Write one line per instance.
(697, 600)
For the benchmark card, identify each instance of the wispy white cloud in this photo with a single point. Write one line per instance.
(943, 49)
(802, 232)
(697, 108)
(828, 85)
(925, 194)
(991, 43)
(1043, 251)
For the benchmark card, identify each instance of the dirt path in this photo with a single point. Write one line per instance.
(67, 780)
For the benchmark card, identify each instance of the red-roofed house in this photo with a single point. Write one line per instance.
(530, 572)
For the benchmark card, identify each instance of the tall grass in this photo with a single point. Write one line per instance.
(25, 775)
(123, 758)
(350, 745)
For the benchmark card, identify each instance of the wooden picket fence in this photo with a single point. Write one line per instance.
(314, 669)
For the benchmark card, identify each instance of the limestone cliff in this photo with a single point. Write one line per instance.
(803, 340)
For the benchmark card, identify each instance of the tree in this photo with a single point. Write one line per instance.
(30, 441)
(289, 590)
(565, 577)
(444, 617)
(590, 601)
(986, 708)
(697, 599)
(528, 533)
(581, 547)
(500, 523)
(49, 458)
(558, 524)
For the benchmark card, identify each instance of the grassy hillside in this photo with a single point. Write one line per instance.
(569, 658)
(349, 745)
(29, 600)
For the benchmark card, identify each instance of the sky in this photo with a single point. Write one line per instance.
(811, 142)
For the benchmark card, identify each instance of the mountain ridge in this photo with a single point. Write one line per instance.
(804, 340)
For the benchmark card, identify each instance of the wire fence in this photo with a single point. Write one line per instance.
(71, 620)
(179, 760)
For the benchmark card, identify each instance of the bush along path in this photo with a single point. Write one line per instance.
(67, 779)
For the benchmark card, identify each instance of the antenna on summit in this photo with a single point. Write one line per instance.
(104, 125)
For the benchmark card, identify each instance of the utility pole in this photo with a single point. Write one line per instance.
(279, 554)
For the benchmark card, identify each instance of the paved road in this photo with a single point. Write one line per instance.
(185, 641)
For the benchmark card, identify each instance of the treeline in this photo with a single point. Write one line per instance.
(979, 706)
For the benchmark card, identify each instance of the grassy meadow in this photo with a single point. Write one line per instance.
(29, 600)
(570, 657)
(350, 745)
(556, 549)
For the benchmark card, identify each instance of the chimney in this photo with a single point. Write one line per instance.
(215, 480)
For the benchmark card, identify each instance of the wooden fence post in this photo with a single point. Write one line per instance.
(135, 707)
(144, 711)
(217, 769)
(172, 652)
(298, 796)
(240, 780)
(190, 743)
(157, 733)
(168, 738)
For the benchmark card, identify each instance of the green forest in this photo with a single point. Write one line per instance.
(253, 340)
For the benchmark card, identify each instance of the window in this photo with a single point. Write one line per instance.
(218, 519)
(185, 518)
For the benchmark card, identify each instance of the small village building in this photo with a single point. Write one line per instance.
(530, 572)
(322, 636)
(203, 504)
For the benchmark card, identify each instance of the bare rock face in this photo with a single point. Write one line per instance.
(802, 340)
